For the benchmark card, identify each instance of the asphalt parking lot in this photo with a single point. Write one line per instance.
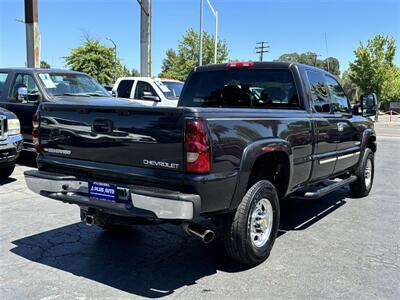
(334, 247)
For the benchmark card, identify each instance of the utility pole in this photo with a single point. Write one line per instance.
(315, 58)
(32, 34)
(201, 33)
(145, 37)
(262, 48)
(115, 59)
(215, 13)
(327, 54)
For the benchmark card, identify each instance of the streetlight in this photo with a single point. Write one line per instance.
(215, 13)
(115, 59)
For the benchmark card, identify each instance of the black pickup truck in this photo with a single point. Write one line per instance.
(244, 137)
(23, 89)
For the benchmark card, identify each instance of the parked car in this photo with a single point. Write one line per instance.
(244, 137)
(10, 142)
(149, 91)
(23, 89)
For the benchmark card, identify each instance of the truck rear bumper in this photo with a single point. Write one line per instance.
(139, 201)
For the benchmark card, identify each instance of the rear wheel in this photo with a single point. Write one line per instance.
(250, 233)
(365, 175)
(7, 171)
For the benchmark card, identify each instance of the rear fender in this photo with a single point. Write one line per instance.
(250, 154)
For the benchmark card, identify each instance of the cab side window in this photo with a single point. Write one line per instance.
(339, 101)
(319, 92)
(142, 88)
(124, 88)
(25, 80)
(3, 78)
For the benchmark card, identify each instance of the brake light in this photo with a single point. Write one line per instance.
(35, 131)
(240, 64)
(198, 154)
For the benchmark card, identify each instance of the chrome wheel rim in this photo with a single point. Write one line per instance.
(261, 222)
(368, 173)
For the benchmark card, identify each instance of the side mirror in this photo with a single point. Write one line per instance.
(22, 94)
(369, 104)
(149, 96)
(114, 93)
(356, 110)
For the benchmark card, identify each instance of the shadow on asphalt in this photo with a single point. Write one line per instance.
(152, 261)
(27, 159)
(6, 181)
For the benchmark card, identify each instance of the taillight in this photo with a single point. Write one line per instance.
(35, 131)
(240, 64)
(197, 148)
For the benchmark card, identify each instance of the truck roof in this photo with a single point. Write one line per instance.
(256, 64)
(148, 78)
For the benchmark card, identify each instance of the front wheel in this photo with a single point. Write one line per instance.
(250, 233)
(365, 175)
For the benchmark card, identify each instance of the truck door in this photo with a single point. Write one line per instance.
(124, 88)
(24, 109)
(325, 127)
(348, 146)
(144, 92)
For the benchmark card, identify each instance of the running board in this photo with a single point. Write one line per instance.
(325, 190)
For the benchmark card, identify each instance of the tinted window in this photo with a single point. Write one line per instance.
(259, 88)
(3, 78)
(142, 88)
(338, 98)
(319, 91)
(124, 88)
(25, 80)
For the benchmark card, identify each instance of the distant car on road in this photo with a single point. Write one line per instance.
(149, 91)
(23, 89)
(10, 142)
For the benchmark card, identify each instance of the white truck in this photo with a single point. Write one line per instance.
(149, 91)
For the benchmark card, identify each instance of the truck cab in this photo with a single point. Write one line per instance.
(149, 91)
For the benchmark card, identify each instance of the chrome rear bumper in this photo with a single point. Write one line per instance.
(139, 202)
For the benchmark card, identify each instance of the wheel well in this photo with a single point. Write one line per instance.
(274, 167)
(371, 143)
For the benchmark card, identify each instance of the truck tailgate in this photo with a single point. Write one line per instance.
(126, 135)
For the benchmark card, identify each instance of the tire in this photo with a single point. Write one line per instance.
(241, 242)
(7, 171)
(365, 175)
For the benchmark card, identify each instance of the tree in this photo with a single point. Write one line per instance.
(350, 88)
(178, 64)
(330, 64)
(373, 70)
(94, 59)
(44, 64)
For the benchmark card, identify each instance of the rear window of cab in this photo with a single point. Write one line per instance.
(241, 87)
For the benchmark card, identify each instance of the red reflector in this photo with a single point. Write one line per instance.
(197, 149)
(240, 64)
(35, 131)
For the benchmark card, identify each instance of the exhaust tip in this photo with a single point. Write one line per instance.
(89, 220)
(208, 236)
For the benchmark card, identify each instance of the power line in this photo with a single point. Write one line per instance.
(262, 48)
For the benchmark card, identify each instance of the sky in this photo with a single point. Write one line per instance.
(288, 26)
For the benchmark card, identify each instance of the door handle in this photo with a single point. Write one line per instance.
(340, 126)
